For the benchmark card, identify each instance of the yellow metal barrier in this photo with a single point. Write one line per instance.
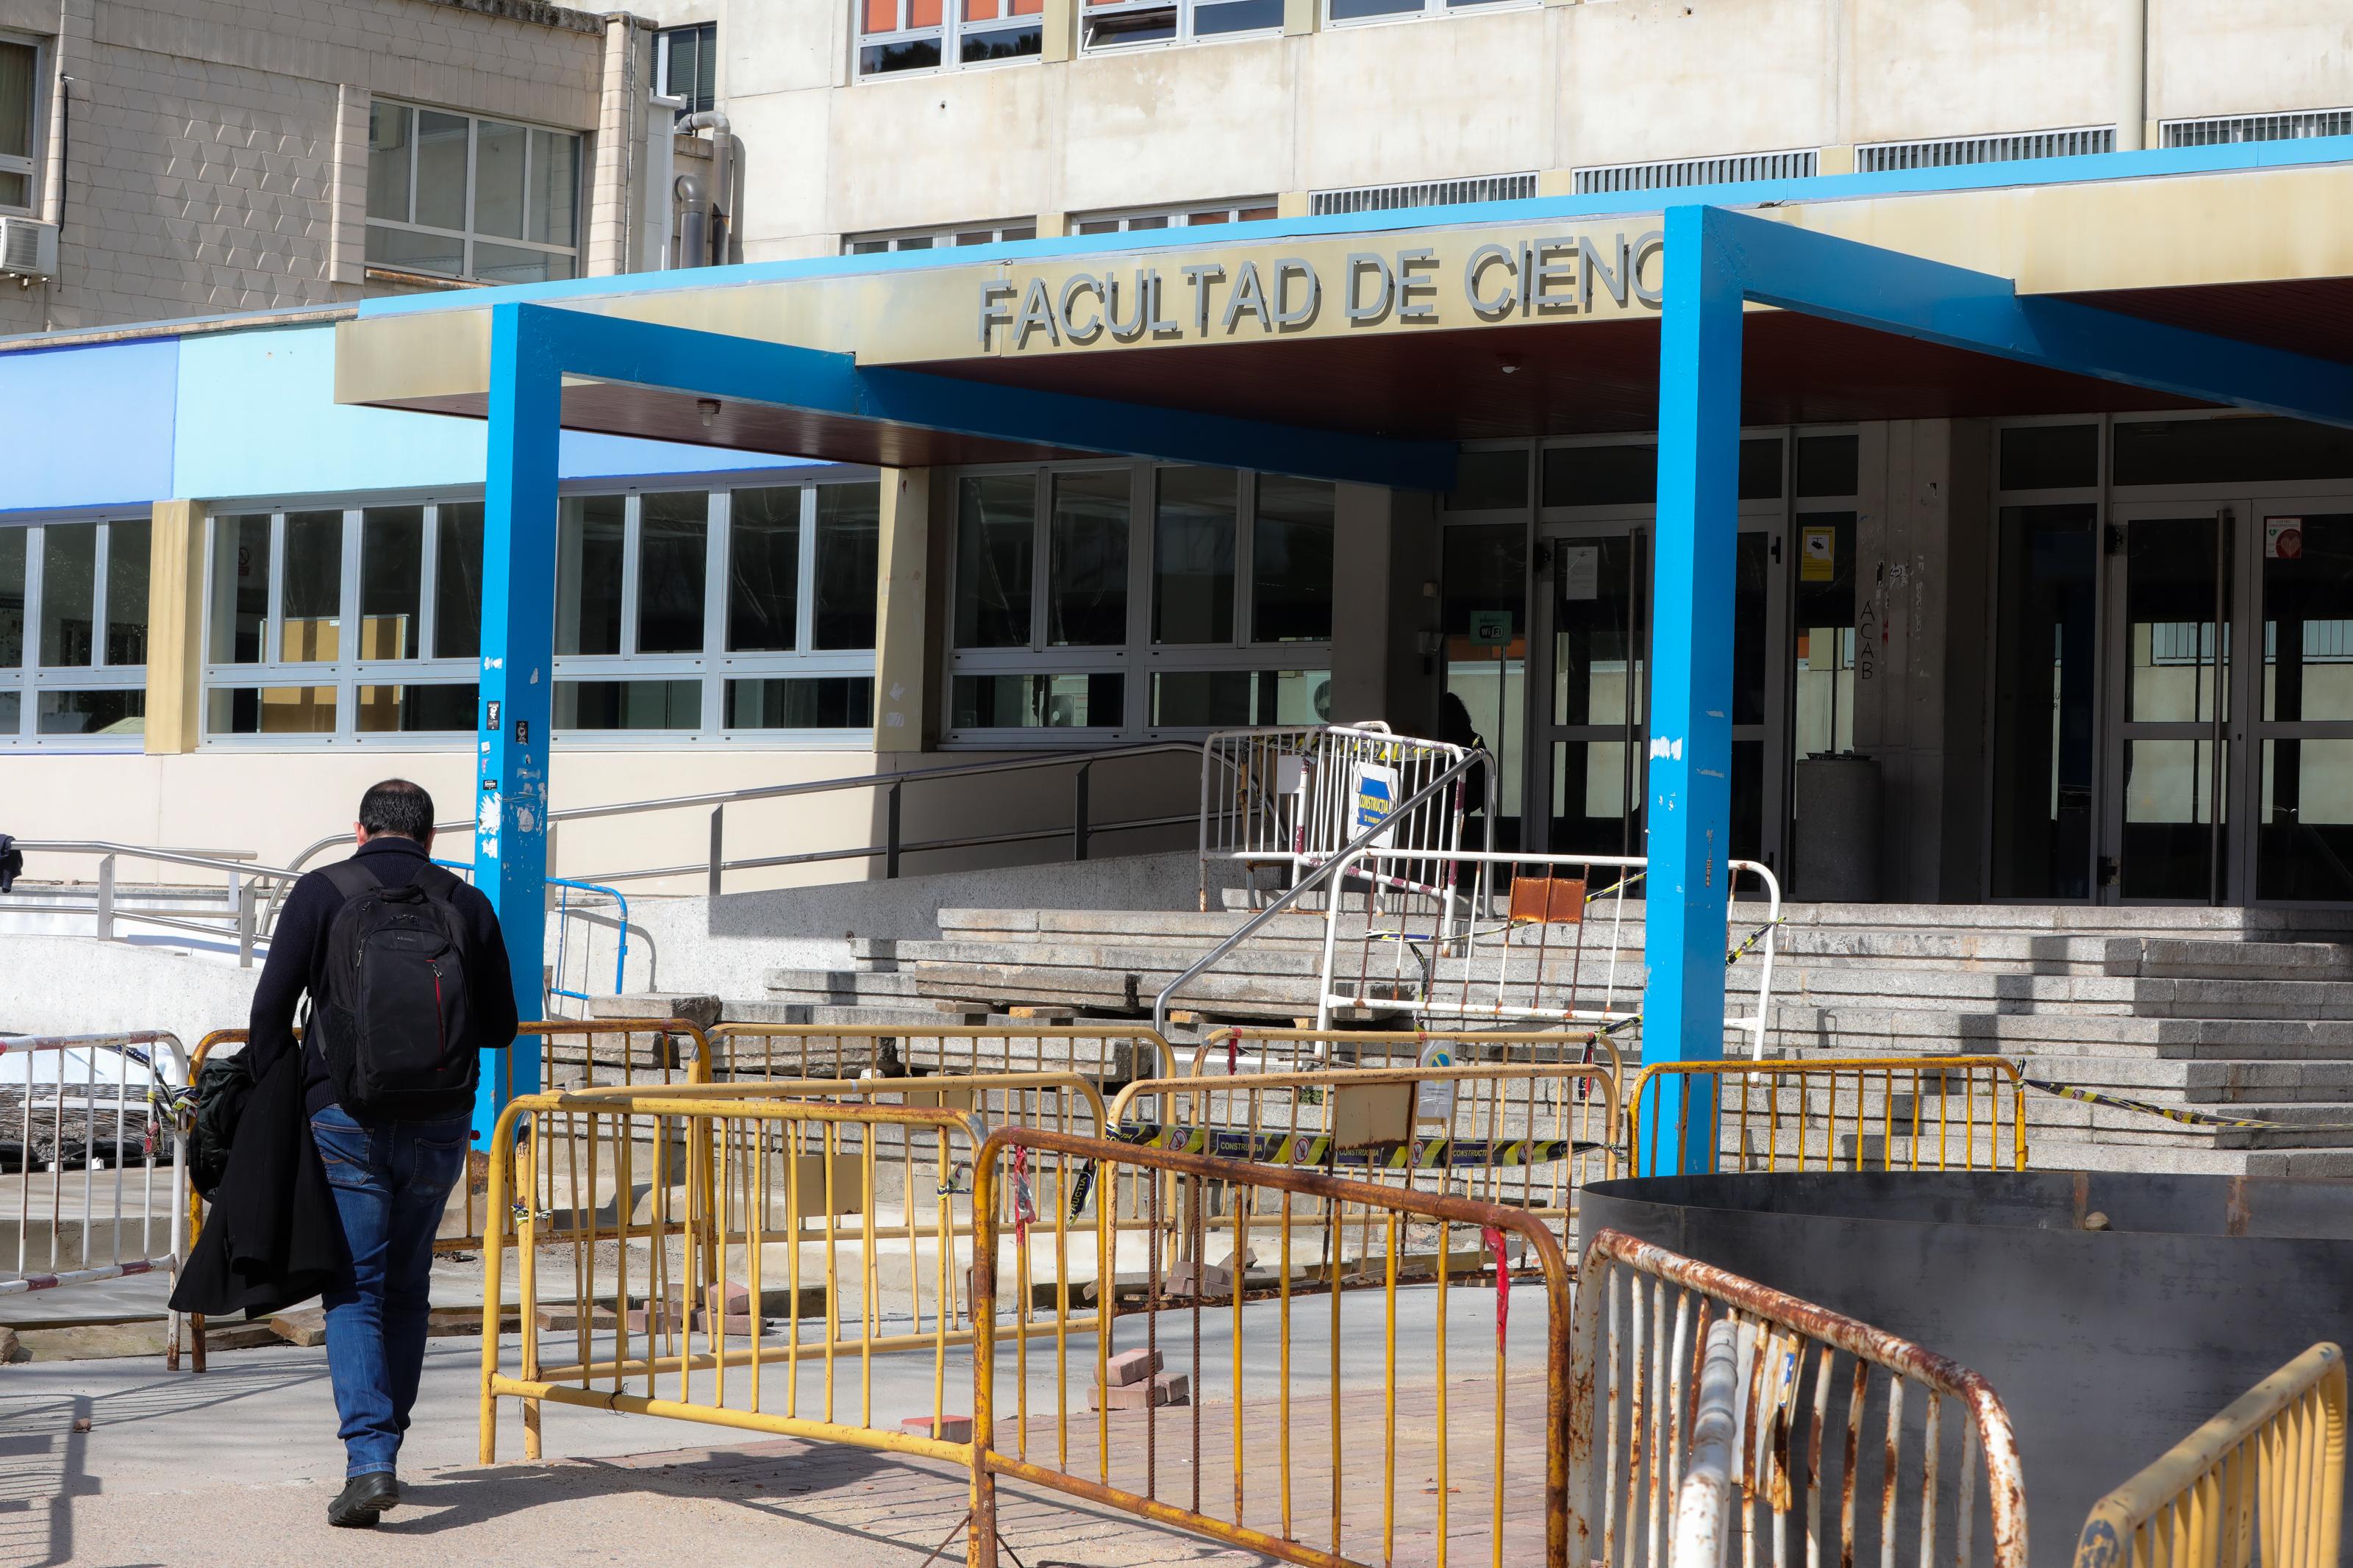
(2264, 1482)
(1853, 1113)
(750, 1172)
(629, 1052)
(1253, 1379)
(1528, 1135)
(1102, 1053)
(1235, 1051)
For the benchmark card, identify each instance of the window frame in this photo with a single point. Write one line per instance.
(470, 235)
(1187, 31)
(712, 668)
(1427, 10)
(949, 32)
(953, 236)
(30, 678)
(1138, 659)
(706, 36)
(1191, 215)
(37, 133)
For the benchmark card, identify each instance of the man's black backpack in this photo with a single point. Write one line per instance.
(393, 1013)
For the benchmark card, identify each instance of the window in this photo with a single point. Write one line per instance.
(20, 77)
(687, 64)
(1115, 24)
(1385, 10)
(1175, 218)
(1128, 599)
(677, 613)
(938, 238)
(459, 195)
(934, 34)
(73, 634)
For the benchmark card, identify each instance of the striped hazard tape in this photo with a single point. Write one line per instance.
(1315, 1149)
(2176, 1113)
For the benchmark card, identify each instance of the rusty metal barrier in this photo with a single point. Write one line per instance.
(2262, 1481)
(1853, 1113)
(582, 1051)
(1102, 1053)
(1273, 1449)
(1811, 1383)
(1529, 1136)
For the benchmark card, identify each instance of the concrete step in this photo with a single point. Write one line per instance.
(845, 985)
(915, 1016)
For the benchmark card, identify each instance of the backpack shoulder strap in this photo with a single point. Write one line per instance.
(440, 882)
(351, 878)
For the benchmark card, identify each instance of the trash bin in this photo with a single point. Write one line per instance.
(1835, 858)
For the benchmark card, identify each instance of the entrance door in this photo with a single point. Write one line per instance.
(2172, 706)
(2301, 781)
(1590, 737)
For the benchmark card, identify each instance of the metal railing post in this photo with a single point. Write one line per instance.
(1079, 813)
(248, 911)
(891, 833)
(106, 898)
(718, 845)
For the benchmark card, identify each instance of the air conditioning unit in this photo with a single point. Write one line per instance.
(28, 248)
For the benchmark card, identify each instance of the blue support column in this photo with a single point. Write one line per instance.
(518, 649)
(1690, 796)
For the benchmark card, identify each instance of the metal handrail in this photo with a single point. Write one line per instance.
(716, 864)
(1324, 873)
(233, 862)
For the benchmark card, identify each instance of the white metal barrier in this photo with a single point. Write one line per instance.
(91, 1160)
(1556, 951)
(1296, 795)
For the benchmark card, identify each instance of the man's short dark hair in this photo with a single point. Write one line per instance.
(398, 807)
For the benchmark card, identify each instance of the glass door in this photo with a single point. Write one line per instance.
(1588, 760)
(1594, 721)
(2303, 827)
(2171, 750)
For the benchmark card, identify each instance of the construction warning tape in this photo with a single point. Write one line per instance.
(1315, 1149)
(2175, 1113)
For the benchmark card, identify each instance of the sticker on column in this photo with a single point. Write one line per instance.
(1376, 797)
(2282, 539)
(1818, 554)
(1665, 750)
(1580, 572)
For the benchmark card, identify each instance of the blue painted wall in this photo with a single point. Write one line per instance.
(259, 417)
(228, 414)
(87, 426)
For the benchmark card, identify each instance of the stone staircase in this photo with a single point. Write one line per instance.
(2228, 1012)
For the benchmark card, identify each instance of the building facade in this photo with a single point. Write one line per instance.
(170, 158)
(1997, 635)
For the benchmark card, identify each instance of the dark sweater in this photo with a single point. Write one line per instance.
(298, 953)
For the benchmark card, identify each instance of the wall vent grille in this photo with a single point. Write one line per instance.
(1607, 178)
(2221, 129)
(1422, 193)
(1946, 152)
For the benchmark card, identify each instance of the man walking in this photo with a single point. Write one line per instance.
(404, 974)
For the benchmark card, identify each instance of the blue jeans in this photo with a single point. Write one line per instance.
(391, 1182)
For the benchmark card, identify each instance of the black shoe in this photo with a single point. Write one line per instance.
(362, 1500)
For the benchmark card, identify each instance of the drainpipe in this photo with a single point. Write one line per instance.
(723, 187)
(2132, 77)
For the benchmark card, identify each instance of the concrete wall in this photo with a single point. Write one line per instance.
(1920, 593)
(1500, 89)
(213, 155)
